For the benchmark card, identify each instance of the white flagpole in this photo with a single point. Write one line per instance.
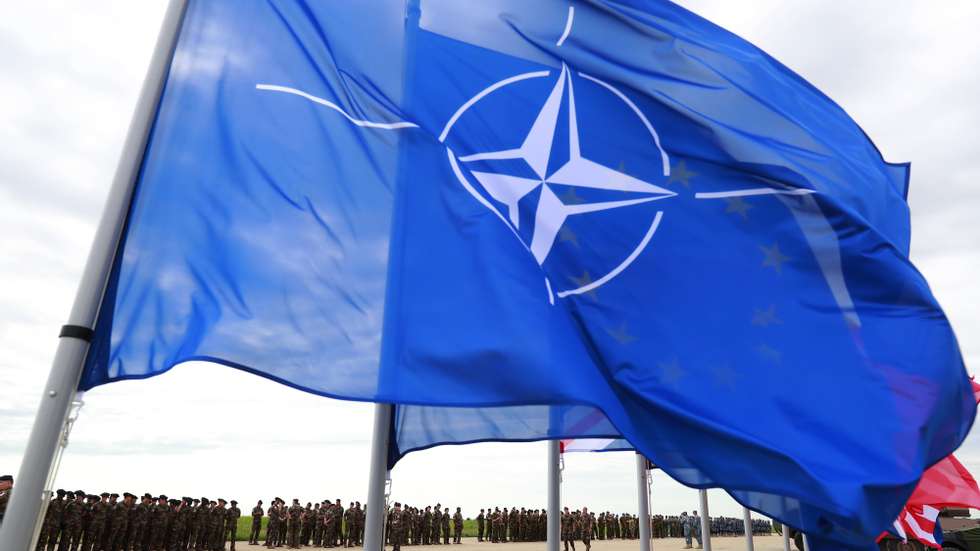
(806, 543)
(747, 521)
(554, 495)
(17, 530)
(644, 505)
(786, 537)
(375, 523)
(705, 521)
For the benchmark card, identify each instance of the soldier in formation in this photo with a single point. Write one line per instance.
(76, 521)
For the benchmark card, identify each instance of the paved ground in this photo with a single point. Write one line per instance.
(762, 543)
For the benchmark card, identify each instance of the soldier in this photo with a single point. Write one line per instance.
(184, 519)
(120, 514)
(317, 533)
(273, 528)
(436, 524)
(458, 526)
(295, 513)
(498, 525)
(231, 523)
(479, 526)
(135, 520)
(109, 531)
(359, 524)
(445, 518)
(587, 525)
(340, 533)
(176, 524)
(218, 520)
(257, 513)
(349, 535)
(95, 522)
(306, 525)
(396, 527)
(52, 517)
(156, 523)
(86, 516)
(71, 531)
(695, 521)
(567, 530)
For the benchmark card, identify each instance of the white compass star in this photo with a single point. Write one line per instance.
(578, 171)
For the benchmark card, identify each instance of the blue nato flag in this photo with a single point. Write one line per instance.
(527, 220)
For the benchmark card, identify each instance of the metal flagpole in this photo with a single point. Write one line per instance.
(747, 521)
(554, 495)
(705, 521)
(806, 543)
(375, 523)
(785, 537)
(642, 498)
(17, 530)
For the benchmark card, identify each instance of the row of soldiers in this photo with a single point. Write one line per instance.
(325, 524)
(77, 521)
(531, 525)
(413, 525)
(673, 526)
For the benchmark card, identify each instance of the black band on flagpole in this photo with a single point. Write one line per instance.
(76, 332)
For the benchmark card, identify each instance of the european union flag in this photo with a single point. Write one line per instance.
(537, 212)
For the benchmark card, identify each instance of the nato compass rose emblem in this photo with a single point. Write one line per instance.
(538, 186)
(576, 179)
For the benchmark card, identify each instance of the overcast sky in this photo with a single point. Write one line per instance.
(908, 72)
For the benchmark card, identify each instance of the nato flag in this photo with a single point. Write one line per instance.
(614, 208)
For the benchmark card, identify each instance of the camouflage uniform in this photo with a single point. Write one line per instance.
(350, 537)
(109, 532)
(306, 531)
(587, 524)
(185, 519)
(231, 523)
(317, 525)
(338, 524)
(98, 512)
(216, 526)
(157, 524)
(272, 530)
(426, 527)
(445, 525)
(52, 523)
(177, 525)
(397, 527)
(71, 533)
(457, 526)
(436, 523)
(567, 529)
(257, 514)
(295, 519)
(203, 525)
(122, 515)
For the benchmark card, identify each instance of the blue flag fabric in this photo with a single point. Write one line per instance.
(504, 206)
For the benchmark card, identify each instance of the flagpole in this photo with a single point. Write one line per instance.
(785, 537)
(375, 522)
(554, 495)
(747, 521)
(705, 521)
(806, 543)
(17, 530)
(644, 505)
